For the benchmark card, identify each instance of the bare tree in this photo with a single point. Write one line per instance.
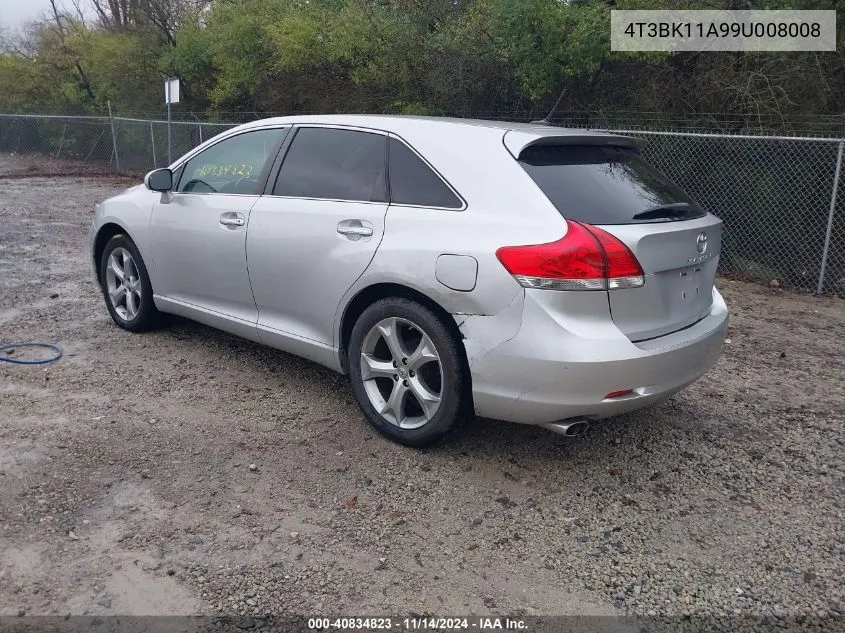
(164, 16)
(60, 20)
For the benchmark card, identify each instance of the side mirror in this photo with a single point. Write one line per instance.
(159, 180)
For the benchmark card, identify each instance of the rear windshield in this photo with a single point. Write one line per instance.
(606, 185)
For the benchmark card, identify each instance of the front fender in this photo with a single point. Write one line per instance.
(132, 211)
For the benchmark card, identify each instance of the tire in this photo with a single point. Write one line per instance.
(398, 400)
(138, 313)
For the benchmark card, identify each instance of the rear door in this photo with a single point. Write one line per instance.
(676, 242)
(315, 232)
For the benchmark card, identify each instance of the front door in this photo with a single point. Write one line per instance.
(198, 236)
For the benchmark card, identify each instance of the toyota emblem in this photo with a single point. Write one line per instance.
(701, 242)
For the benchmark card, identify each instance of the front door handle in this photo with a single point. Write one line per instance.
(362, 231)
(231, 221)
(354, 229)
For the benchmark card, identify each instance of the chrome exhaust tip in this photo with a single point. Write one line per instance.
(568, 428)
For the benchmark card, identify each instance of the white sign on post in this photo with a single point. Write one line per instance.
(171, 90)
(171, 96)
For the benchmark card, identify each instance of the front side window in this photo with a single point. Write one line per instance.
(231, 166)
(413, 182)
(334, 164)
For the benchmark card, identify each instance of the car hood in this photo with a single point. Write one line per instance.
(133, 188)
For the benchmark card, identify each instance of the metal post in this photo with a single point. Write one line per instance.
(94, 146)
(114, 140)
(169, 134)
(820, 289)
(153, 145)
(199, 125)
(62, 142)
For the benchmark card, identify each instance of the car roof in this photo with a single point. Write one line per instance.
(389, 121)
(517, 136)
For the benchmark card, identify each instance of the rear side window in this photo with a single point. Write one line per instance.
(606, 185)
(413, 182)
(334, 164)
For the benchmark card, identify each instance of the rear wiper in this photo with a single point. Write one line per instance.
(674, 211)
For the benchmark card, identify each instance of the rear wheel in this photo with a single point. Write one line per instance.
(407, 372)
(126, 286)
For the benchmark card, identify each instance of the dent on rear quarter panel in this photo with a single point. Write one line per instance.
(482, 333)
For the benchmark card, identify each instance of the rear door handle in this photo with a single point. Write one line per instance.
(354, 229)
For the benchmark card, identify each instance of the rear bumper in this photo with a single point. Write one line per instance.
(561, 364)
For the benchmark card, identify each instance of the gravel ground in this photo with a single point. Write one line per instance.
(189, 472)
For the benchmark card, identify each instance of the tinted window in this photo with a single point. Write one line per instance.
(230, 166)
(334, 164)
(606, 185)
(413, 182)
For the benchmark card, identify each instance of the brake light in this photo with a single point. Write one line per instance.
(586, 258)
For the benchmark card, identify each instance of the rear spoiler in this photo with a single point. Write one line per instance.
(517, 140)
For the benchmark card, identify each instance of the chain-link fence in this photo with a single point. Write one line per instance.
(83, 139)
(780, 197)
(127, 146)
(783, 219)
(143, 144)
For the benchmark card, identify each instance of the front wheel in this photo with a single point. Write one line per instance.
(126, 286)
(407, 372)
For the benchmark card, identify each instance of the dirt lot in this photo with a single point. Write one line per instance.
(126, 484)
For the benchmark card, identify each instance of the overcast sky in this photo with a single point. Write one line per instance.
(15, 13)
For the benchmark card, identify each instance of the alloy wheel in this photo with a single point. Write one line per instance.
(123, 284)
(401, 372)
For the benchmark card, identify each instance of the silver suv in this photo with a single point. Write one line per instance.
(520, 272)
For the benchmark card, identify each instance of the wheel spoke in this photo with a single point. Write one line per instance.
(135, 286)
(394, 407)
(115, 294)
(428, 400)
(117, 268)
(371, 368)
(389, 330)
(425, 353)
(130, 268)
(131, 304)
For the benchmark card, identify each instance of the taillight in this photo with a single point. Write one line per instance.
(586, 258)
